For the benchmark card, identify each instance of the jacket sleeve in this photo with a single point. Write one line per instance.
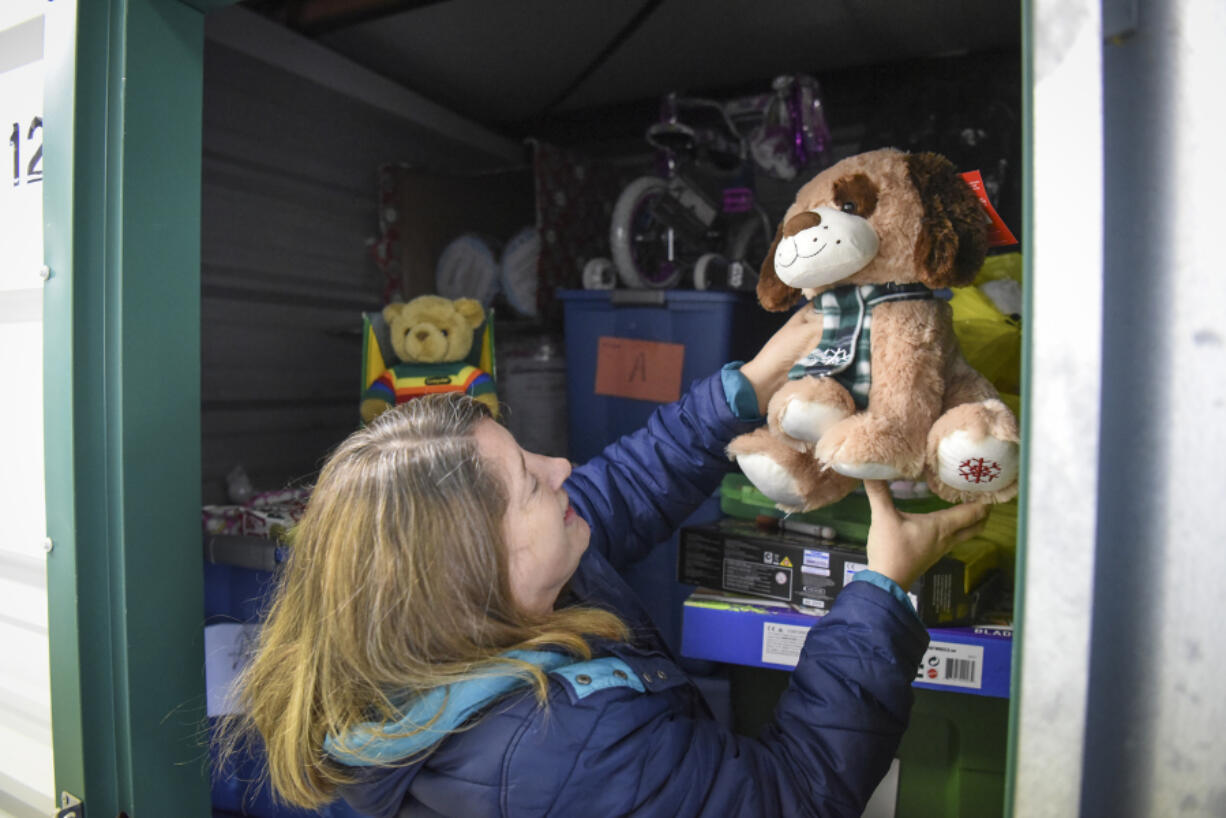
(834, 734)
(642, 487)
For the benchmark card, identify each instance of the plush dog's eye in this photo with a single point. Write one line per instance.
(856, 195)
(444, 332)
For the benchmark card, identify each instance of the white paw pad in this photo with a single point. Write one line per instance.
(771, 479)
(984, 464)
(808, 420)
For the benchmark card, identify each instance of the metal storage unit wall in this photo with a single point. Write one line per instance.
(1133, 641)
(287, 203)
(26, 777)
(123, 156)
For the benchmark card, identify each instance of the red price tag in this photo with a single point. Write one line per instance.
(999, 235)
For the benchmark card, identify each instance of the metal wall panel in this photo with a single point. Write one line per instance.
(27, 785)
(1121, 712)
(1060, 496)
(288, 201)
(1156, 719)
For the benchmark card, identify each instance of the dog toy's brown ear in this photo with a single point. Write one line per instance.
(773, 294)
(954, 237)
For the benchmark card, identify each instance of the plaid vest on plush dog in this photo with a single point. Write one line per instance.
(845, 351)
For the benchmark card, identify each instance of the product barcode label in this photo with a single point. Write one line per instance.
(962, 670)
(953, 665)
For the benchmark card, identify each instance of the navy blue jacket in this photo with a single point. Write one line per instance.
(652, 747)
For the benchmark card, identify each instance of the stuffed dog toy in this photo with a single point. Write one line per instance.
(887, 394)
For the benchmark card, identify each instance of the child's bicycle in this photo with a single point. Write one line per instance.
(791, 134)
(699, 216)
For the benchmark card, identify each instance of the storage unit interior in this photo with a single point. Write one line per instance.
(301, 110)
(290, 164)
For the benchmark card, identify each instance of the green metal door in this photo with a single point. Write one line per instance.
(121, 386)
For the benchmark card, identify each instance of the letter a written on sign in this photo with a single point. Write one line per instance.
(639, 371)
(643, 370)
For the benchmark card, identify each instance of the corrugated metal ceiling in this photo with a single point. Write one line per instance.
(506, 63)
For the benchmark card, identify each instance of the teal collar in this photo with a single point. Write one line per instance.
(373, 743)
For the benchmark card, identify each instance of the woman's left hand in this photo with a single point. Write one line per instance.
(769, 368)
(903, 546)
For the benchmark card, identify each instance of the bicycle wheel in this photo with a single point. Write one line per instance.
(714, 272)
(710, 272)
(750, 239)
(647, 253)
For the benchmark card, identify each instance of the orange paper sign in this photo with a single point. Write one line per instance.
(643, 370)
(999, 234)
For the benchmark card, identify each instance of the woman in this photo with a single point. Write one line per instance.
(451, 636)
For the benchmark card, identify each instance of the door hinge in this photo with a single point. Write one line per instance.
(70, 807)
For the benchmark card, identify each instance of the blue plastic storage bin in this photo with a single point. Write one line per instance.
(714, 328)
(237, 594)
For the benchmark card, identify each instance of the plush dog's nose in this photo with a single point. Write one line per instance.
(422, 335)
(801, 221)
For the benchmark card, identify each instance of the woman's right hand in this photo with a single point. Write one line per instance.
(903, 546)
(768, 370)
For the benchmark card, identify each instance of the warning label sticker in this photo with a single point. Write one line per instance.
(781, 644)
(773, 581)
(953, 665)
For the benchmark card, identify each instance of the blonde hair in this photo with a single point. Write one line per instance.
(397, 584)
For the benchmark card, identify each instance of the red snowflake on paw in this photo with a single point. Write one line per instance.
(979, 470)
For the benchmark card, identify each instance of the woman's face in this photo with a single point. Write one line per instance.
(545, 537)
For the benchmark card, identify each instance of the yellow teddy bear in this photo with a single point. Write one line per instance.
(431, 336)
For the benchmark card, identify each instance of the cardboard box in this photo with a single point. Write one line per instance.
(762, 633)
(740, 557)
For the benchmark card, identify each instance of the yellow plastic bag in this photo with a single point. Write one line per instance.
(991, 341)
